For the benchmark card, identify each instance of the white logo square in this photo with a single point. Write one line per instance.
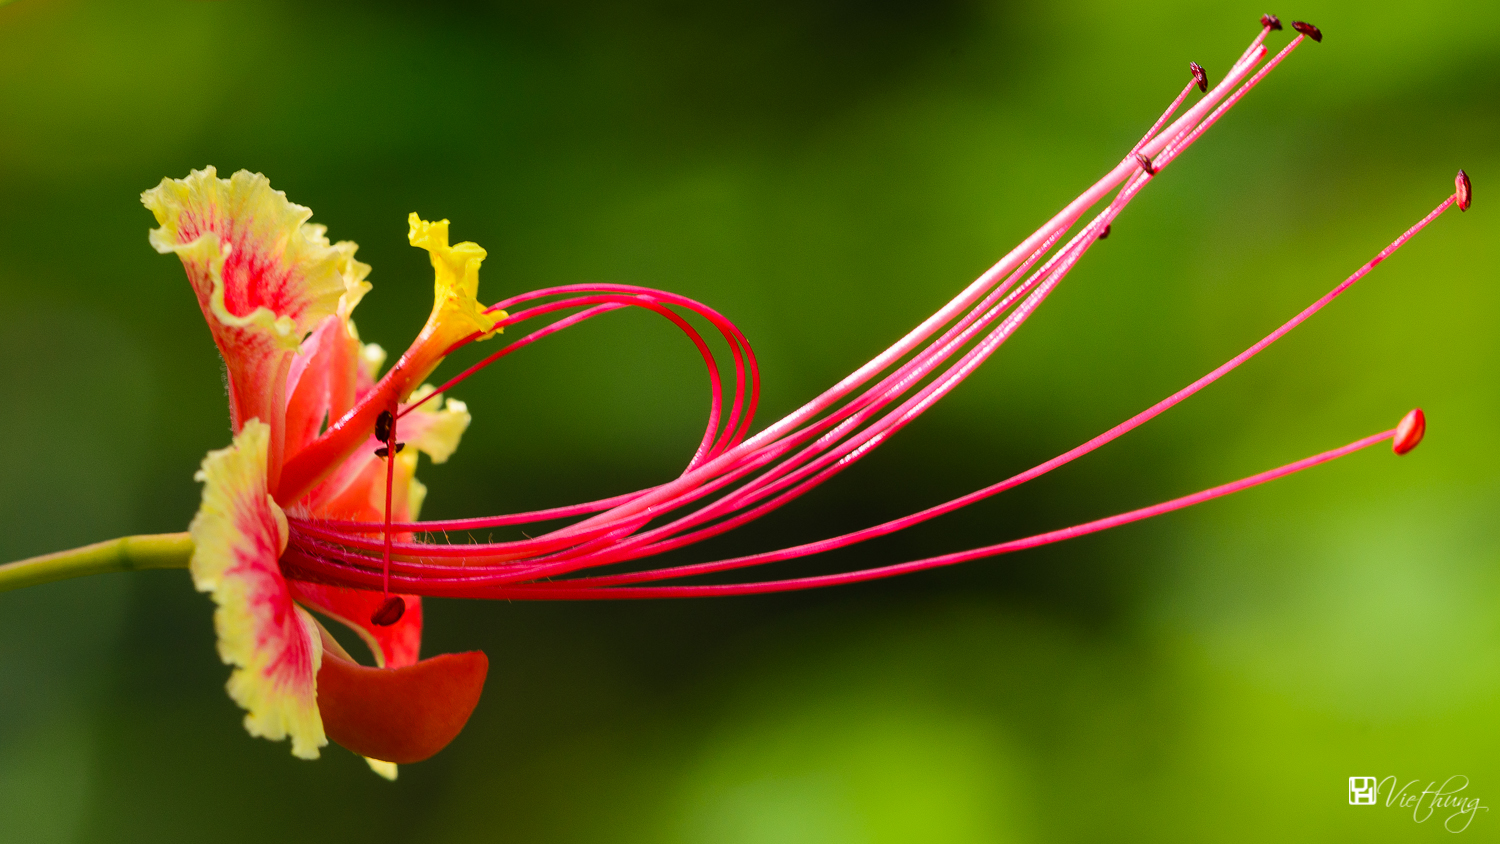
(1361, 791)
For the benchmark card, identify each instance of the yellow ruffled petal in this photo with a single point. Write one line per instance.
(238, 535)
(385, 769)
(455, 288)
(263, 275)
(286, 276)
(416, 496)
(371, 359)
(352, 273)
(432, 428)
(456, 311)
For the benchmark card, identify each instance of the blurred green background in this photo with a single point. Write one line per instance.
(825, 174)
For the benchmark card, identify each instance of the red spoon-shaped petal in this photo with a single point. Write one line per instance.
(399, 715)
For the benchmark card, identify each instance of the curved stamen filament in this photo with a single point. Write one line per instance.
(303, 470)
(475, 587)
(899, 377)
(1165, 116)
(743, 356)
(751, 477)
(564, 590)
(1030, 474)
(1049, 275)
(390, 484)
(476, 575)
(1060, 222)
(867, 438)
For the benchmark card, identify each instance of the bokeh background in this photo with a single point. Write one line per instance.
(826, 174)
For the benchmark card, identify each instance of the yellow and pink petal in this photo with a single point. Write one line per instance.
(264, 278)
(238, 535)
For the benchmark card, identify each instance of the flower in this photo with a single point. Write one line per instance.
(278, 299)
(315, 506)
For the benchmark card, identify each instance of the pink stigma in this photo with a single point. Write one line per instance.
(1464, 190)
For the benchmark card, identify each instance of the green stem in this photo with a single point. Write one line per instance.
(128, 553)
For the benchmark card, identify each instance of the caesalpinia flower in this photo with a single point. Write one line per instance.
(278, 298)
(314, 505)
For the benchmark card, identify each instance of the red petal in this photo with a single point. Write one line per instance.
(321, 383)
(394, 646)
(400, 715)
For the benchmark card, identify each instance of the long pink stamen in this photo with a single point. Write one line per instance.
(563, 590)
(474, 587)
(393, 607)
(1171, 110)
(898, 524)
(821, 438)
(1061, 221)
(550, 541)
(1035, 472)
(390, 485)
(622, 551)
(1053, 272)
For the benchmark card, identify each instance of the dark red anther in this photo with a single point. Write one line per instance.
(1409, 431)
(1465, 190)
(389, 613)
(1199, 75)
(1309, 30)
(1271, 22)
(1145, 162)
(1105, 233)
(384, 450)
(383, 424)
